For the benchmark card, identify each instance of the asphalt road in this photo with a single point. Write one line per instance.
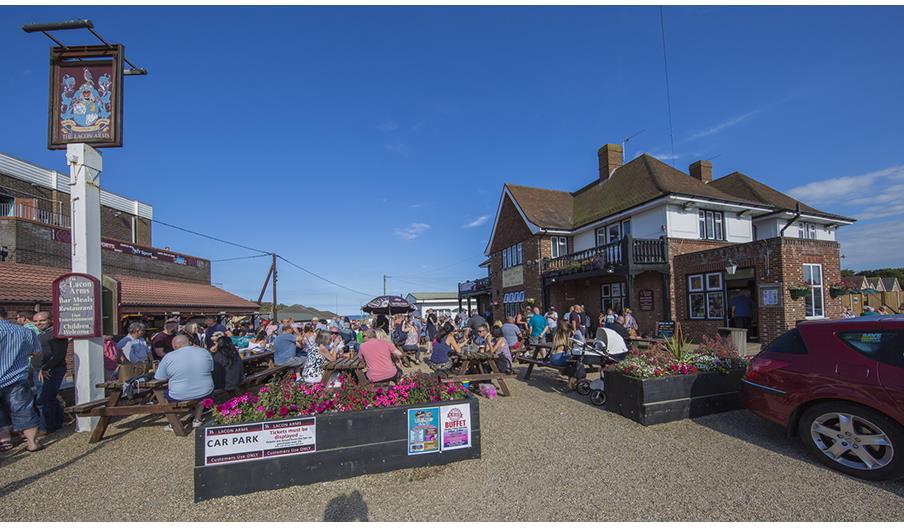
(546, 457)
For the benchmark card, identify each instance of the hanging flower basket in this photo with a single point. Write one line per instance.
(837, 290)
(798, 291)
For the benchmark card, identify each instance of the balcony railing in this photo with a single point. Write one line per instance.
(28, 212)
(609, 256)
(474, 287)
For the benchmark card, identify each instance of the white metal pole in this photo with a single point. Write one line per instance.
(85, 165)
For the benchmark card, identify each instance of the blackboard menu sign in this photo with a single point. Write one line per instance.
(76, 306)
(665, 329)
(645, 300)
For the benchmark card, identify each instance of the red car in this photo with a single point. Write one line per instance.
(838, 386)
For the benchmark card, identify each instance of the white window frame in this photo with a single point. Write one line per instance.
(711, 224)
(610, 293)
(815, 289)
(807, 231)
(704, 291)
(512, 256)
(559, 246)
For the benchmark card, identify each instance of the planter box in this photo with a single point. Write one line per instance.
(249, 457)
(661, 400)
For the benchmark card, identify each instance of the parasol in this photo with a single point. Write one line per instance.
(388, 305)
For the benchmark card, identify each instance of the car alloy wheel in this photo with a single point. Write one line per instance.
(852, 441)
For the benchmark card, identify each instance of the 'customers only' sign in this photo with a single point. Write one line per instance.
(76, 306)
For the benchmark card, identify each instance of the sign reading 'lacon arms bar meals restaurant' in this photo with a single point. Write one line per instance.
(76, 306)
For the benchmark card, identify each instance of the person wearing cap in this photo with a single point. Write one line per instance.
(162, 342)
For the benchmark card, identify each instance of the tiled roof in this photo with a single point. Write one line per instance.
(544, 207)
(643, 179)
(744, 186)
(889, 283)
(639, 181)
(21, 282)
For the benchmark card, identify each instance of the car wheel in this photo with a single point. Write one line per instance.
(854, 439)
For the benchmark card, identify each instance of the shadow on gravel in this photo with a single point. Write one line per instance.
(21, 483)
(754, 430)
(345, 508)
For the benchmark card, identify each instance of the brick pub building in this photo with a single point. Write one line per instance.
(35, 249)
(668, 244)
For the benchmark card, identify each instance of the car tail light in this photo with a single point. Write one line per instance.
(759, 366)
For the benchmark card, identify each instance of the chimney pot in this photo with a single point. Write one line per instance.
(610, 159)
(702, 170)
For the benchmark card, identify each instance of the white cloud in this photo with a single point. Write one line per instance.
(722, 126)
(479, 221)
(842, 189)
(412, 231)
(388, 126)
(416, 206)
(872, 245)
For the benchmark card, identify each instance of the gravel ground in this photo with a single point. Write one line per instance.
(546, 457)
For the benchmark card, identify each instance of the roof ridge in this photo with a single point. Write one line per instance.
(535, 188)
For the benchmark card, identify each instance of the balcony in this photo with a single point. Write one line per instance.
(35, 214)
(621, 255)
(474, 287)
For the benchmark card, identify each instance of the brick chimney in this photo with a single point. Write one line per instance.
(610, 159)
(702, 170)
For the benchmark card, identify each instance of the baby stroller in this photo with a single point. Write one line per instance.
(595, 354)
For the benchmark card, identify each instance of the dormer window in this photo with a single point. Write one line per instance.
(806, 230)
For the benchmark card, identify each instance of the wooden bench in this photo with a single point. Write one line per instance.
(155, 390)
(111, 406)
(477, 360)
(354, 366)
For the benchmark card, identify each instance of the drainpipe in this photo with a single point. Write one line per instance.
(793, 219)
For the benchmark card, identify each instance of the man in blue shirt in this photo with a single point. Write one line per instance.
(212, 326)
(538, 326)
(17, 345)
(742, 310)
(285, 351)
(188, 369)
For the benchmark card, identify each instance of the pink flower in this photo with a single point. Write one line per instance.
(207, 403)
(283, 410)
(263, 390)
(270, 414)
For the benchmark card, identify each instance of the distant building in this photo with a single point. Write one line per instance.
(441, 302)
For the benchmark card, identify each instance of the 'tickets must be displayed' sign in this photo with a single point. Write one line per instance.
(76, 306)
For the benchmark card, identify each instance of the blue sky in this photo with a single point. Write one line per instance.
(364, 141)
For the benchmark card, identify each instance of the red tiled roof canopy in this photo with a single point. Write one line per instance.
(26, 283)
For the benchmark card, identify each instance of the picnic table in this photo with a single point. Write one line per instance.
(253, 361)
(470, 359)
(355, 366)
(149, 397)
(111, 406)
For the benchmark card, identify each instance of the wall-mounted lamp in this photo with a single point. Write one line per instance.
(610, 269)
(731, 267)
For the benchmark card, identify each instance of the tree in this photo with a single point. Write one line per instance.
(847, 273)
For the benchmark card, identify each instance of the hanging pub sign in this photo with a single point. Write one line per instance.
(76, 306)
(85, 96)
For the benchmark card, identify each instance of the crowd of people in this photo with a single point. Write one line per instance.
(199, 358)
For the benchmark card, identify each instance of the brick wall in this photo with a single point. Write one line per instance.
(32, 243)
(510, 230)
(112, 226)
(776, 260)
